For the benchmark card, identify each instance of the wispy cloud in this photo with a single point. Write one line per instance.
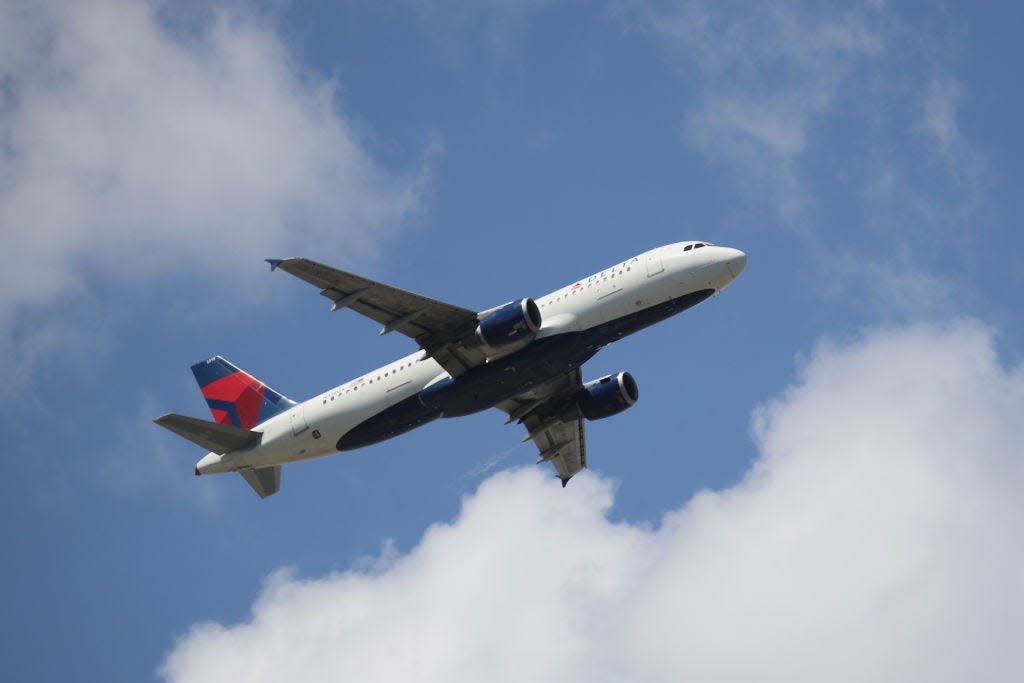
(142, 461)
(497, 25)
(764, 77)
(136, 143)
(869, 541)
(836, 123)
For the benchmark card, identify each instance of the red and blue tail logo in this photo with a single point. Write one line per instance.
(235, 397)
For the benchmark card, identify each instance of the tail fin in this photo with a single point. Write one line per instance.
(235, 397)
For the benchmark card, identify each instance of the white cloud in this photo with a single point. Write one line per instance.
(875, 538)
(138, 143)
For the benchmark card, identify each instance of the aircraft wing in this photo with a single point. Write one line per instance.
(444, 331)
(554, 421)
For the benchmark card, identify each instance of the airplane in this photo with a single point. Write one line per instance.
(523, 357)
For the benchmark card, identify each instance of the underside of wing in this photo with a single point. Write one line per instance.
(555, 423)
(444, 331)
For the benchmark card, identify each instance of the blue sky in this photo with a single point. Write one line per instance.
(824, 461)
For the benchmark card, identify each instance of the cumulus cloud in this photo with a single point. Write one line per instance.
(138, 139)
(875, 538)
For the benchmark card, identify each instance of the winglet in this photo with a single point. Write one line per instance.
(565, 480)
(274, 263)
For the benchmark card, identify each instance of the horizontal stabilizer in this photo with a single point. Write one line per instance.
(264, 480)
(218, 438)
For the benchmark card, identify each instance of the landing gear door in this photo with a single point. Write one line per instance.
(298, 416)
(654, 264)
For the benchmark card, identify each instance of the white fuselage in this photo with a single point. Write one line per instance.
(312, 428)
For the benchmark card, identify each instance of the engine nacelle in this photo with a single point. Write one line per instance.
(517, 322)
(608, 396)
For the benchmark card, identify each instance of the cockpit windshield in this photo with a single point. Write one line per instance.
(697, 245)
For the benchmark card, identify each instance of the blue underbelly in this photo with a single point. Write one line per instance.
(487, 385)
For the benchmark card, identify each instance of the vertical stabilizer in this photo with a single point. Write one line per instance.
(235, 397)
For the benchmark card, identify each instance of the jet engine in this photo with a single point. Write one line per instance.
(515, 323)
(608, 396)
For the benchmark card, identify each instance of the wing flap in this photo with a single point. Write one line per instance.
(561, 441)
(554, 423)
(218, 438)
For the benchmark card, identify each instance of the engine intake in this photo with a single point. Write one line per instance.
(608, 396)
(515, 322)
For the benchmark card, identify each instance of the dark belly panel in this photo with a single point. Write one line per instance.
(394, 420)
(487, 385)
(484, 386)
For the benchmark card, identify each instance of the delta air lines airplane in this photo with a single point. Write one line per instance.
(523, 357)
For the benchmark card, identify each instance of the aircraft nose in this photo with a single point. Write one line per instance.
(736, 261)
